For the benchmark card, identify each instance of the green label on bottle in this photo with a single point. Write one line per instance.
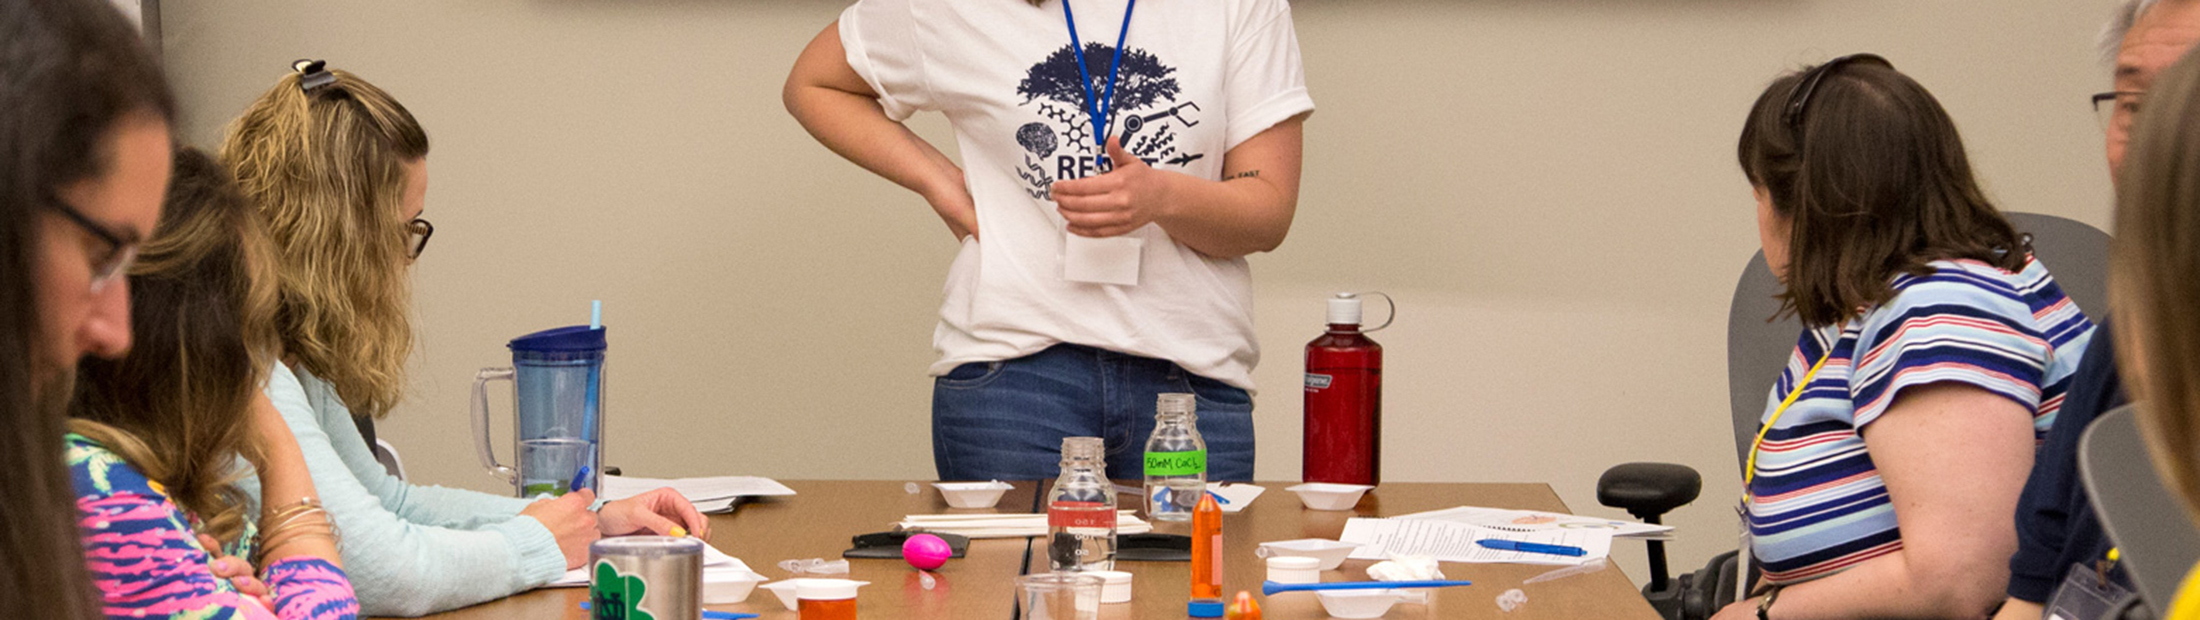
(1176, 463)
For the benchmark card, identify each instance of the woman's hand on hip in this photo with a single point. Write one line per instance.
(950, 197)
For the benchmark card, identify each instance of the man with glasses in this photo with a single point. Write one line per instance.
(2057, 532)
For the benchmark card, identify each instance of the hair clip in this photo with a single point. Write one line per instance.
(312, 74)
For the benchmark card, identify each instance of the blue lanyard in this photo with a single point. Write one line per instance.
(1099, 110)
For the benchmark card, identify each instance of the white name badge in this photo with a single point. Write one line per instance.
(1110, 260)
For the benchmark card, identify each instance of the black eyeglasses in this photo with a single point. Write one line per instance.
(108, 266)
(420, 230)
(2106, 105)
(1798, 100)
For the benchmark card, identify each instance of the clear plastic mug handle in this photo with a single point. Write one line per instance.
(481, 424)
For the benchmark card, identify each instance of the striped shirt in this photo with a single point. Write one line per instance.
(1820, 506)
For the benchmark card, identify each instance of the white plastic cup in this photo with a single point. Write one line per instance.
(1294, 569)
(1059, 596)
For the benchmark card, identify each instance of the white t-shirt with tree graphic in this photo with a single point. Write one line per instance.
(1198, 77)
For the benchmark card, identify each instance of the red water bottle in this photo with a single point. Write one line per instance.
(1344, 399)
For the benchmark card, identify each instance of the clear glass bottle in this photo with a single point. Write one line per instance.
(1081, 509)
(1176, 460)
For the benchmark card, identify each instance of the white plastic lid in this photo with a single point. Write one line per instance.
(825, 590)
(1111, 577)
(1295, 562)
(1344, 309)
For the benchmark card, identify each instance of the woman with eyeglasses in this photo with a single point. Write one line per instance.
(2154, 284)
(155, 436)
(84, 141)
(1936, 350)
(340, 170)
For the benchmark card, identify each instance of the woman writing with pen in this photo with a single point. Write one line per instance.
(339, 169)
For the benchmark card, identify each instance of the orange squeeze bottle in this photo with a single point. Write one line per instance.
(1207, 548)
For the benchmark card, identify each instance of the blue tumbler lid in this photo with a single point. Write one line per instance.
(1204, 608)
(574, 339)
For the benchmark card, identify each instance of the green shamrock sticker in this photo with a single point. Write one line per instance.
(613, 596)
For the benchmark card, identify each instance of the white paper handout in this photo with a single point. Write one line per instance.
(1447, 541)
(1537, 521)
(714, 562)
(710, 495)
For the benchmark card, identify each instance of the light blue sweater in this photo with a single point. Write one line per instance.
(410, 550)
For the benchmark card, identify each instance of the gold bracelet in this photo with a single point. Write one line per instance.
(295, 517)
(264, 556)
(288, 535)
(298, 520)
(302, 506)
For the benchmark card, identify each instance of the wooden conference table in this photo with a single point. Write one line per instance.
(818, 522)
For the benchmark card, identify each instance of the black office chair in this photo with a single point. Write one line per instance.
(1756, 351)
(2158, 542)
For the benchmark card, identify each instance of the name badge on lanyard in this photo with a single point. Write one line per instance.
(1110, 260)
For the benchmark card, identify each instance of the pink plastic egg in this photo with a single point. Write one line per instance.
(926, 552)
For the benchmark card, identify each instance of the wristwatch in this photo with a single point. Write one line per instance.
(1764, 605)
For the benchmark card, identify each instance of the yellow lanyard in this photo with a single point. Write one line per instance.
(1749, 473)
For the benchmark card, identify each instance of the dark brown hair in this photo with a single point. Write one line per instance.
(202, 306)
(70, 72)
(1874, 182)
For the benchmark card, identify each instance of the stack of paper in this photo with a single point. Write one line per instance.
(710, 495)
(715, 562)
(1536, 521)
(1447, 541)
(1006, 526)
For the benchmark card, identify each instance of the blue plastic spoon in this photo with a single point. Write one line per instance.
(1270, 587)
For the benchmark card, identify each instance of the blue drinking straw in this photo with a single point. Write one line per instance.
(1270, 588)
(588, 412)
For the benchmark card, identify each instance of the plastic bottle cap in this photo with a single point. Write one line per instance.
(1204, 608)
(1083, 448)
(825, 590)
(1175, 402)
(1344, 309)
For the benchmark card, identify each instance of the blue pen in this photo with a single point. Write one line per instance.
(1528, 547)
(707, 614)
(579, 478)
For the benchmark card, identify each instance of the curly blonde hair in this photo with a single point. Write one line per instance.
(327, 168)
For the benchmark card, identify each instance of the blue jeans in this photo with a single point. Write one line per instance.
(1006, 420)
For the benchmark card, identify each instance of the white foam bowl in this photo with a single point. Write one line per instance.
(727, 588)
(784, 589)
(1330, 552)
(1357, 603)
(1329, 495)
(972, 494)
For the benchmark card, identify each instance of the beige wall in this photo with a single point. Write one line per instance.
(1547, 187)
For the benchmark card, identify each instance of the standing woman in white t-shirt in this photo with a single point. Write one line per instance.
(1081, 292)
